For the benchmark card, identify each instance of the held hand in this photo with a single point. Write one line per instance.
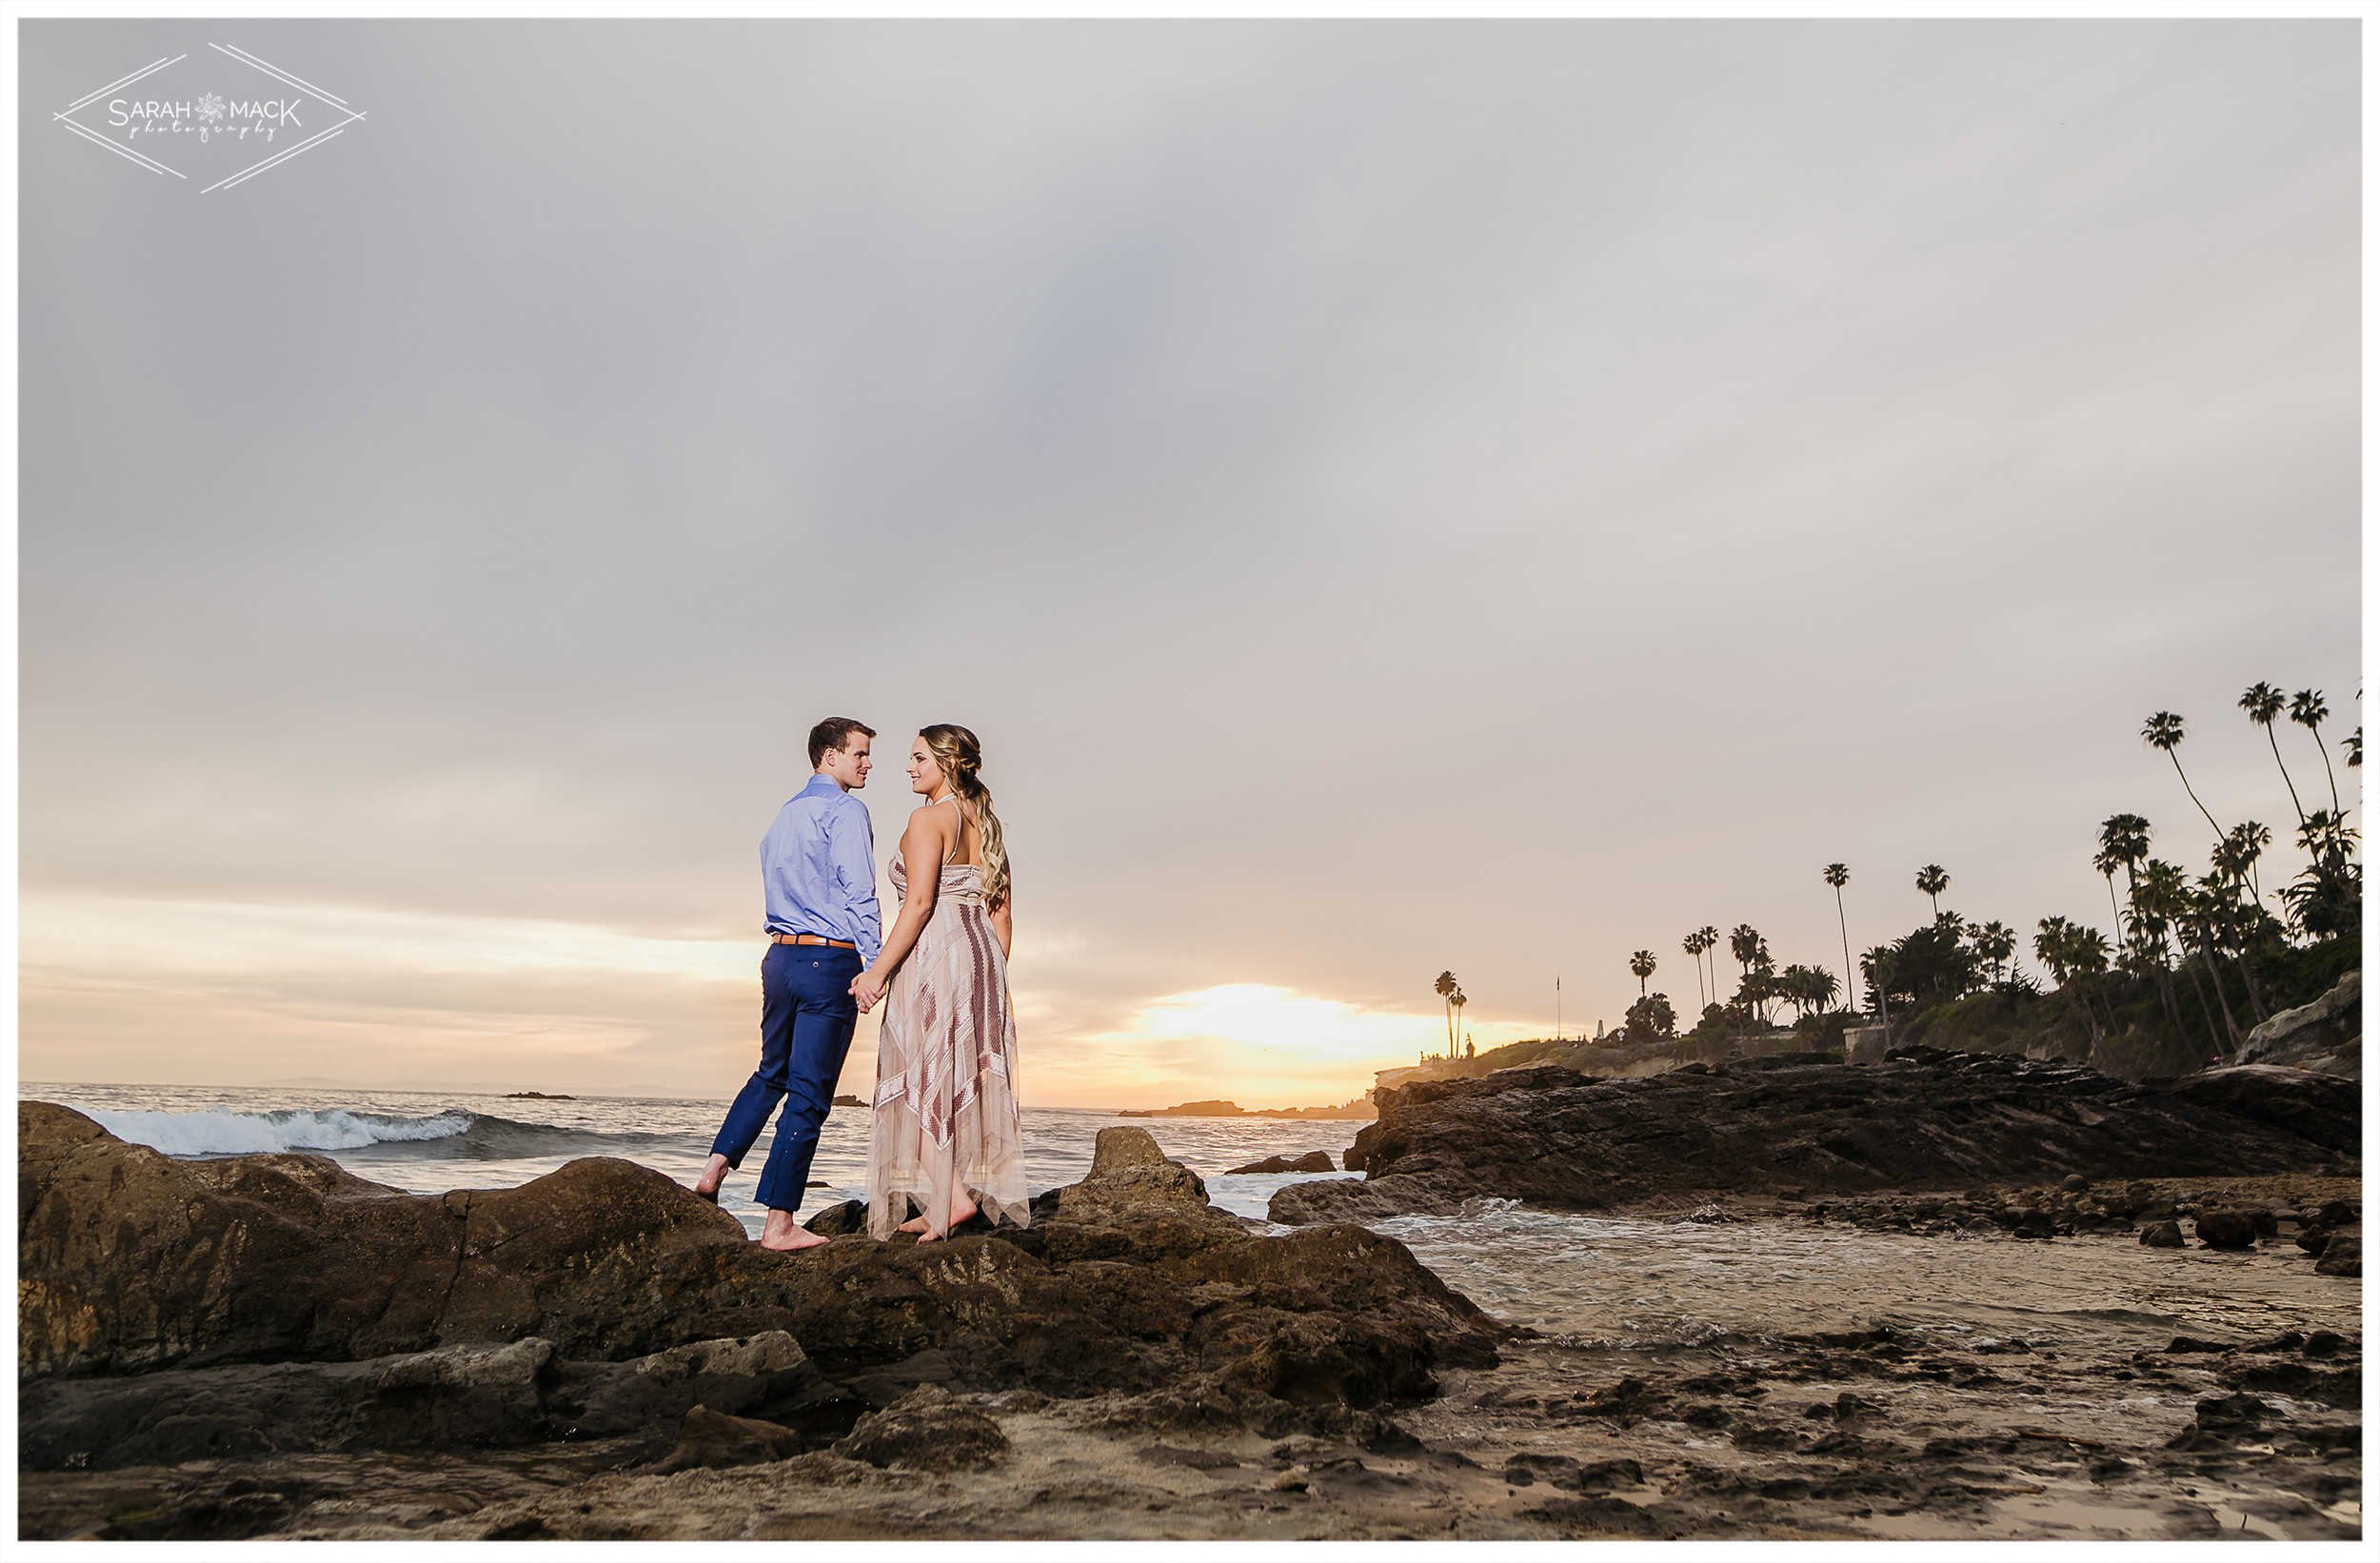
(867, 988)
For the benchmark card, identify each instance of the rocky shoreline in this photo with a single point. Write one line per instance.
(267, 1346)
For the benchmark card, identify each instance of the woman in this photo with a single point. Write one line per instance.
(946, 1131)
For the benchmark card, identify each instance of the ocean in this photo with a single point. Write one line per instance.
(1592, 1281)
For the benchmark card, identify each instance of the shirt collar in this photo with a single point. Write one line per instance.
(822, 783)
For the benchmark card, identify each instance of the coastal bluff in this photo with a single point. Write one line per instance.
(1921, 1119)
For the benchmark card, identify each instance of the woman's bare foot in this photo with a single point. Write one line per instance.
(714, 1170)
(780, 1233)
(960, 1215)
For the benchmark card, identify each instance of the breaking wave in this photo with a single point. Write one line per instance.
(454, 1134)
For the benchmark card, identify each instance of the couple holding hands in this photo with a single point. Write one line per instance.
(945, 1134)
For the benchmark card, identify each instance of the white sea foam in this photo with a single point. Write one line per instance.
(293, 1129)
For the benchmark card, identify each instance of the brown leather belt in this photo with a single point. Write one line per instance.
(811, 938)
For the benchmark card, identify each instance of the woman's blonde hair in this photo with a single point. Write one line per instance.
(962, 759)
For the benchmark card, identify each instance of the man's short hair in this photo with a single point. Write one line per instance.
(835, 733)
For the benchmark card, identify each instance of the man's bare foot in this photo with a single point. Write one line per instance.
(714, 1170)
(780, 1233)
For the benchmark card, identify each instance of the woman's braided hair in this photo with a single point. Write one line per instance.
(962, 759)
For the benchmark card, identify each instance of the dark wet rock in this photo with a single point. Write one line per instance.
(2075, 1184)
(1597, 1517)
(2342, 1255)
(926, 1429)
(882, 1387)
(1354, 1199)
(1924, 1117)
(1310, 1161)
(129, 1259)
(2222, 1421)
(2227, 1229)
(468, 1396)
(2340, 1387)
(2162, 1235)
(2323, 1036)
(1601, 1476)
(840, 1221)
(1133, 1182)
(713, 1440)
(1196, 1459)
(639, 1294)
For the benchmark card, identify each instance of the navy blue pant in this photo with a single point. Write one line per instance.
(807, 1015)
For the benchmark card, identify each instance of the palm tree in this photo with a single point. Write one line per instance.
(1837, 876)
(1744, 944)
(2164, 731)
(2161, 905)
(1693, 947)
(1642, 964)
(2123, 842)
(2307, 710)
(2239, 851)
(1932, 881)
(2263, 703)
(2354, 745)
(1458, 1002)
(1446, 987)
(1710, 938)
(1994, 942)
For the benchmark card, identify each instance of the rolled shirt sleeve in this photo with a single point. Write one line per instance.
(851, 845)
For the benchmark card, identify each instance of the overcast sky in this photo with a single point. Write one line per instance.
(1389, 496)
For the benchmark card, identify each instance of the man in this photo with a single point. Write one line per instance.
(817, 873)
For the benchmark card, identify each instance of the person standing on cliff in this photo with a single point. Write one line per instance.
(818, 875)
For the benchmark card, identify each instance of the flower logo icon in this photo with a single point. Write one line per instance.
(210, 108)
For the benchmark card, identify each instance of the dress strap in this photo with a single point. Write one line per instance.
(952, 860)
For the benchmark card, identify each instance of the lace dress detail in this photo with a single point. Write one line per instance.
(945, 1122)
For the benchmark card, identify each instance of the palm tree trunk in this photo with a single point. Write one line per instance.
(2205, 1011)
(2285, 775)
(2214, 974)
(2194, 792)
(2316, 728)
(1850, 982)
(2247, 979)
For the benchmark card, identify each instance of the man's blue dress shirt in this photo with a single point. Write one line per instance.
(818, 868)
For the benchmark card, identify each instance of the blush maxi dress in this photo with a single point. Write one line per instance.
(945, 1123)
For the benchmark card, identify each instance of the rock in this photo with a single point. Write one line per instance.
(1923, 1116)
(129, 1261)
(926, 1429)
(2342, 1255)
(840, 1221)
(2323, 1036)
(2075, 1184)
(1601, 1476)
(470, 1396)
(2227, 1229)
(2221, 1421)
(460, 1395)
(1114, 1149)
(1524, 1469)
(1354, 1200)
(1310, 1161)
(2162, 1235)
(2314, 1239)
(709, 1439)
